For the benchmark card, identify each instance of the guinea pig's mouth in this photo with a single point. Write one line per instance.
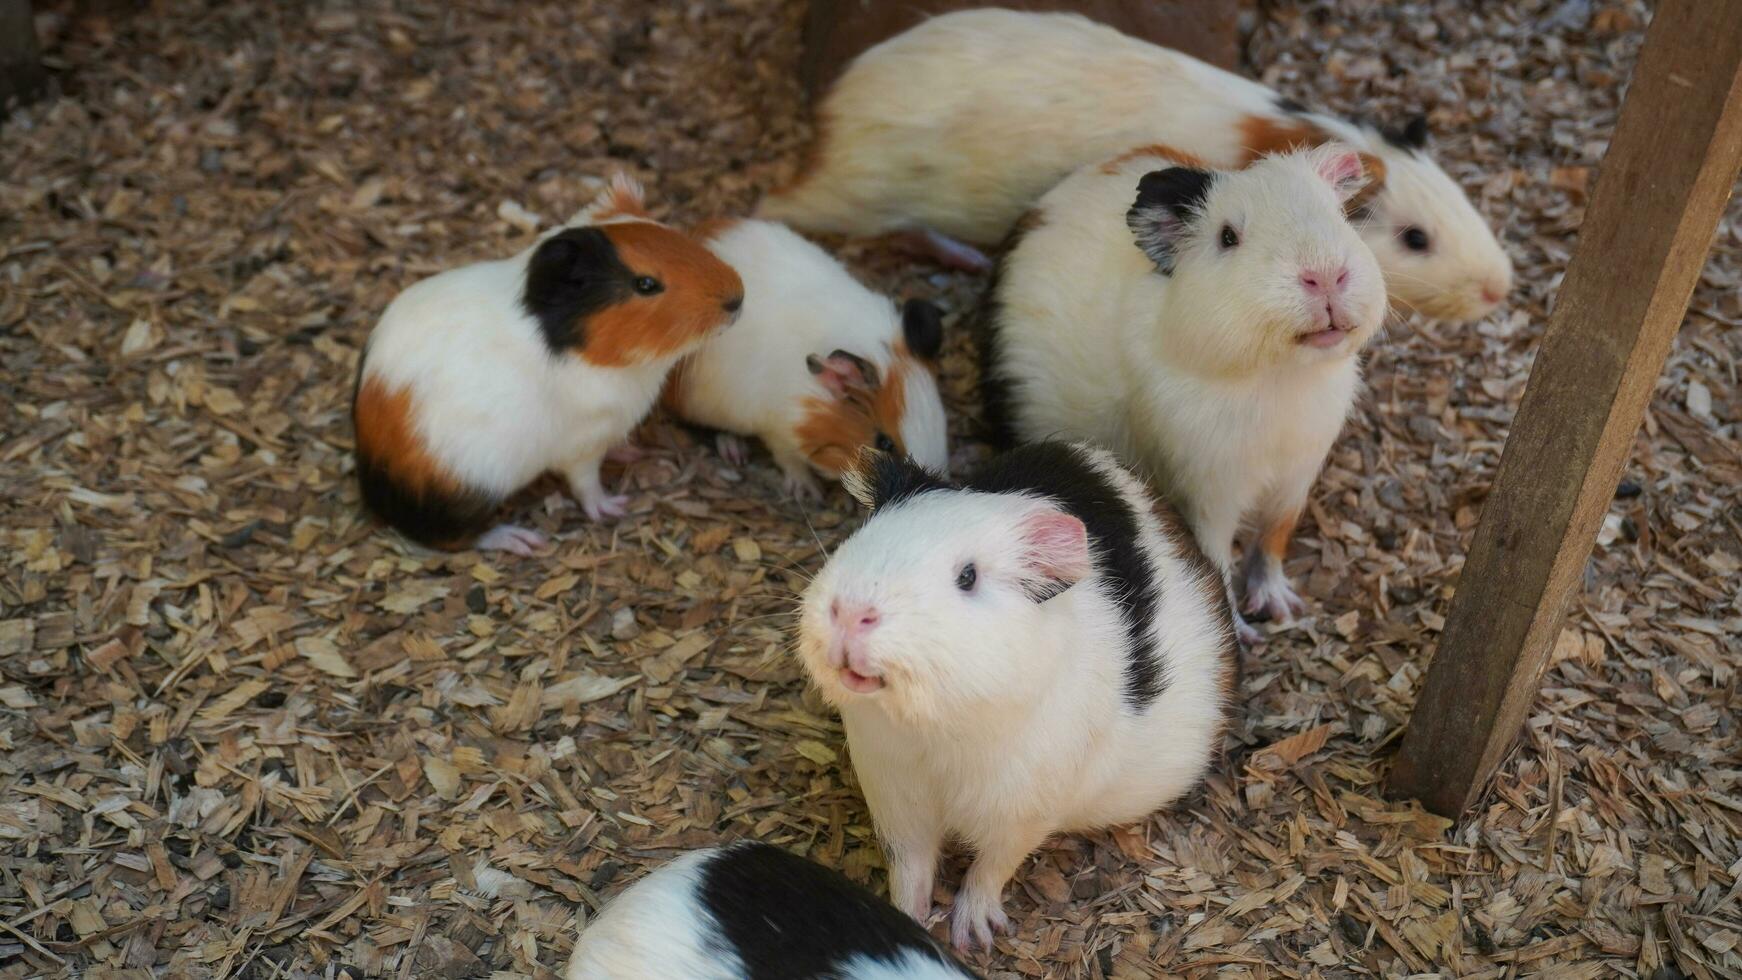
(1329, 337)
(859, 683)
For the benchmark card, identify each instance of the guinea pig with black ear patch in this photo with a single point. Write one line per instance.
(1039, 649)
(948, 132)
(818, 366)
(1204, 324)
(479, 379)
(751, 911)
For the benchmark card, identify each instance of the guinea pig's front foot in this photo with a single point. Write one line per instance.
(522, 541)
(1268, 594)
(1245, 632)
(605, 506)
(975, 919)
(733, 448)
(944, 250)
(802, 486)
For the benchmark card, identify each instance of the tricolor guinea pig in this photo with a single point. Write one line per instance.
(751, 911)
(1204, 324)
(954, 128)
(817, 366)
(481, 378)
(1040, 649)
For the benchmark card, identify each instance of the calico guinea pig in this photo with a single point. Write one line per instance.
(955, 128)
(817, 366)
(1039, 649)
(1203, 324)
(752, 911)
(481, 378)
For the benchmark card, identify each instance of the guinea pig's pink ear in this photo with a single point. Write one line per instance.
(1056, 548)
(1342, 169)
(1161, 216)
(841, 371)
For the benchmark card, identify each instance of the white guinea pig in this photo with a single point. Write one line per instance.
(1203, 324)
(817, 366)
(750, 911)
(958, 125)
(1040, 649)
(481, 378)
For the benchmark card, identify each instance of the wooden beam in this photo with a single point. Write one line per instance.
(836, 31)
(22, 76)
(1660, 191)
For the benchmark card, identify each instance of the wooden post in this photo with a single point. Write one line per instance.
(1661, 188)
(22, 77)
(835, 31)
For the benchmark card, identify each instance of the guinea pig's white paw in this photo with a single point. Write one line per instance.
(803, 487)
(612, 505)
(734, 449)
(522, 541)
(628, 452)
(1247, 634)
(1271, 595)
(975, 919)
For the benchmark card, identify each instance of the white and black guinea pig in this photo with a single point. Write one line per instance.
(817, 366)
(956, 126)
(481, 378)
(1039, 649)
(752, 911)
(1203, 324)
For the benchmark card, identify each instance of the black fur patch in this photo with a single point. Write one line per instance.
(1064, 473)
(922, 326)
(996, 397)
(1412, 135)
(890, 479)
(435, 521)
(1179, 192)
(790, 919)
(1290, 106)
(571, 276)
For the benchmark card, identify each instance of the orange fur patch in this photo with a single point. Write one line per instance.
(1264, 135)
(387, 436)
(713, 228)
(643, 329)
(1177, 157)
(1274, 539)
(833, 430)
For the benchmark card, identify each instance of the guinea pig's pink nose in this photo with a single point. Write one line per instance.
(853, 618)
(1325, 282)
(1493, 292)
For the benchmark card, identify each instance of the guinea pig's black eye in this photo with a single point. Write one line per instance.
(1230, 237)
(884, 443)
(1415, 239)
(966, 578)
(647, 285)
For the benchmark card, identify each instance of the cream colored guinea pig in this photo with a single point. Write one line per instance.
(1205, 324)
(478, 380)
(817, 367)
(954, 128)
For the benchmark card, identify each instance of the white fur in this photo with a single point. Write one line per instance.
(1196, 377)
(799, 301)
(657, 929)
(494, 406)
(960, 123)
(1002, 720)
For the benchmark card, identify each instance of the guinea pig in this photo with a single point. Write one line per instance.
(954, 128)
(1203, 324)
(752, 911)
(1039, 649)
(818, 366)
(479, 379)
